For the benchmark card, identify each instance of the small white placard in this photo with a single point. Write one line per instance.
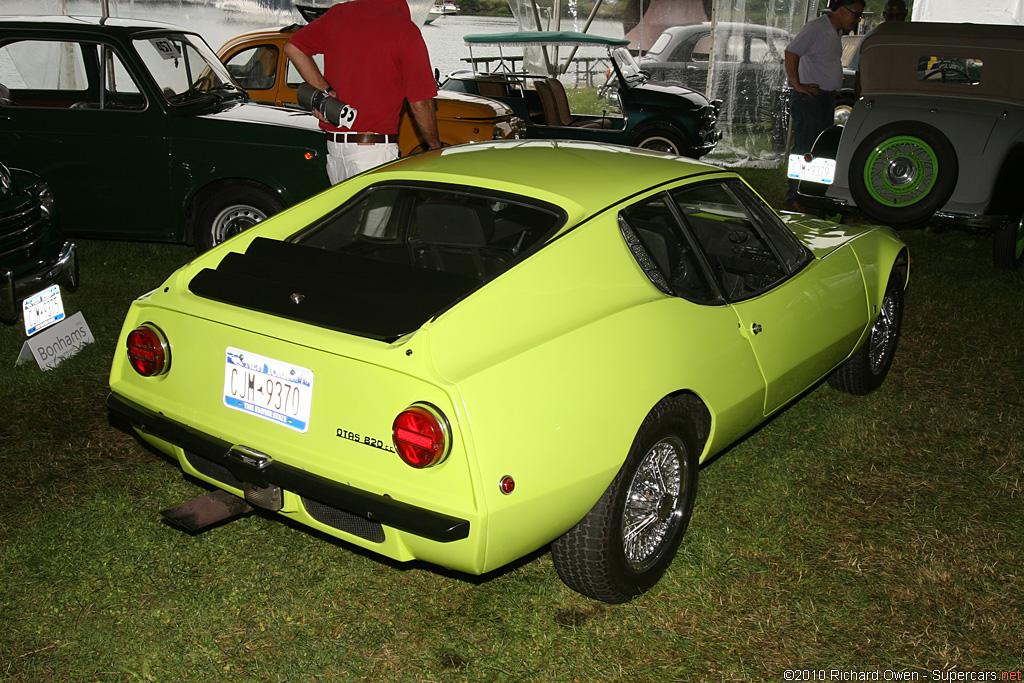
(166, 48)
(57, 343)
(42, 310)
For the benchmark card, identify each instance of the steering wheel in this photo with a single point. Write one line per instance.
(942, 72)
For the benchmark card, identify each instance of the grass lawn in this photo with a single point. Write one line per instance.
(857, 534)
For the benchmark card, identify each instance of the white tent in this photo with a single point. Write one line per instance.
(976, 11)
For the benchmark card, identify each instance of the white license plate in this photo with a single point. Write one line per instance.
(42, 310)
(817, 170)
(271, 389)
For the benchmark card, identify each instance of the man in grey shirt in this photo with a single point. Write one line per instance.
(815, 70)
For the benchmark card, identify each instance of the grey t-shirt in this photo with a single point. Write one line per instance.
(821, 54)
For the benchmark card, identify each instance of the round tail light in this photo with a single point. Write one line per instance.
(148, 350)
(421, 435)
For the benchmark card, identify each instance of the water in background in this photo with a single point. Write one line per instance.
(219, 20)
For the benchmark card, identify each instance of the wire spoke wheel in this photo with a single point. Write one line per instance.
(901, 171)
(884, 333)
(652, 503)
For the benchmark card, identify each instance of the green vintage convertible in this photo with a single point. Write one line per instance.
(466, 355)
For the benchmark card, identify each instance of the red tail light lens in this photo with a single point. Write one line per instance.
(421, 435)
(148, 350)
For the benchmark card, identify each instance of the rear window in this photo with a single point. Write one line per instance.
(453, 229)
(959, 70)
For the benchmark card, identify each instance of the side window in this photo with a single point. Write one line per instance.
(255, 68)
(292, 77)
(664, 252)
(960, 70)
(759, 49)
(47, 73)
(701, 51)
(733, 48)
(742, 260)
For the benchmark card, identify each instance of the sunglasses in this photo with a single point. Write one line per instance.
(859, 15)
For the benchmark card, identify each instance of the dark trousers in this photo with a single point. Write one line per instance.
(810, 116)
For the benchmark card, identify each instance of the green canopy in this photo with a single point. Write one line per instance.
(542, 38)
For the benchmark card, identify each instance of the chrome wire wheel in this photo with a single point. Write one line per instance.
(882, 343)
(653, 505)
(901, 171)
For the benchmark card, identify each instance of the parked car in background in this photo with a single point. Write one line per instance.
(412, 361)
(752, 61)
(644, 113)
(33, 253)
(750, 56)
(257, 62)
(937, 135)
(142, 134)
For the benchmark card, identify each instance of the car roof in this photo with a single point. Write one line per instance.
(581, 177)
(72, 24)
(726, 26)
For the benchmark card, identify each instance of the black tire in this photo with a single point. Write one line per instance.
(594, 557)
(1008, 244)
(224, 211)
(662, 140)
(903, 173)
(865, 370)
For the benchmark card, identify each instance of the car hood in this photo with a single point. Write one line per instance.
(675, 89)
(466, 106)
(264, 114)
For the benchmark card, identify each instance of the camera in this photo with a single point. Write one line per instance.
(332, 109)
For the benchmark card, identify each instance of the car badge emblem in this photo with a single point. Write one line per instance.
(297, 298)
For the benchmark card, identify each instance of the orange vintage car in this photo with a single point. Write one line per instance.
(256, 60)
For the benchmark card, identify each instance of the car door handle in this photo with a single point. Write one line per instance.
(755, 328)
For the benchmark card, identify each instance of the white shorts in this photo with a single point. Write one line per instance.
(346, 159)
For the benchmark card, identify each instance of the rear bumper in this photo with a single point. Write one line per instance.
(383, 510)
(63, 270)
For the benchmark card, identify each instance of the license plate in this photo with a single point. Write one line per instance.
(817, 170)
(42, 310)
(271, 389)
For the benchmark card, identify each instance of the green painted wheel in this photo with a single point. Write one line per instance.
(902, 173)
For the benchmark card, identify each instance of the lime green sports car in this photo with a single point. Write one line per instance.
(469, 354)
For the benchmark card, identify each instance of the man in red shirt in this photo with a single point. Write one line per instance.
(374, 60)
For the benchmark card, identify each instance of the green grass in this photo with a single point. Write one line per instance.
(873, 533)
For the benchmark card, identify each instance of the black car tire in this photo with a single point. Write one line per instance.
(662, 140)
(866, 369)
(1008, 244)
(657, 485)
(226, 210)
(913, 170)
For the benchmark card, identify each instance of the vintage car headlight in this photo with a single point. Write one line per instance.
(148, 350)
(45, 196)
(421, 435)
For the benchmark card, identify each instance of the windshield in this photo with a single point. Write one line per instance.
(627, 65)
(184, 67)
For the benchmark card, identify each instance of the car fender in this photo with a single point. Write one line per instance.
(573, 381)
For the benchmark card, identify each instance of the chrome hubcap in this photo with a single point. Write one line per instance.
(883, 334)
(653, 503)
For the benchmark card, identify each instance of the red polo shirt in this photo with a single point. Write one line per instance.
(374, 58)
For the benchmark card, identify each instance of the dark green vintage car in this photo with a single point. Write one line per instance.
(142, 133)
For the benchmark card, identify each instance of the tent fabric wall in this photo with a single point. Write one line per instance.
(975, 12)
